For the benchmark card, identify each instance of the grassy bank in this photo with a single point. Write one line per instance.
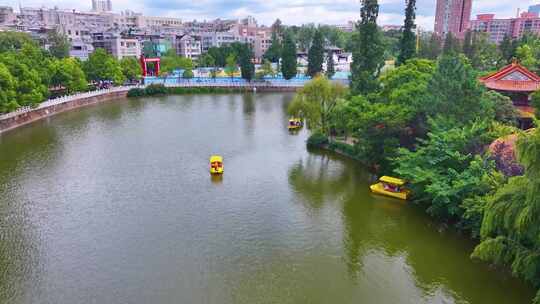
(159, 89)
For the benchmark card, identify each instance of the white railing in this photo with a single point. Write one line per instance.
(64, 99)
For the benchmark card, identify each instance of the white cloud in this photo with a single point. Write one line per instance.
(289, 11)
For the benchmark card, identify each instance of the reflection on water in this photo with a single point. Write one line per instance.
(216, 178)
(114, 204)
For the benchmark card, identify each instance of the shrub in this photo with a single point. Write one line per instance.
(317, 140)
(159, 89)
(136, 92)
(344, 148)
(155, 89)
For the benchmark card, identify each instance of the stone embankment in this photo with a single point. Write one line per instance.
(51, 107)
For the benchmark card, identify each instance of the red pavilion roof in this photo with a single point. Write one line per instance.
(514, 78)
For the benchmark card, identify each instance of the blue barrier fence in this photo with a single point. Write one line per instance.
(234, 81)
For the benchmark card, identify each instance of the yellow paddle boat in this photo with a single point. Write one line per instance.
(295, 124)
(391, 186)
(216, 164)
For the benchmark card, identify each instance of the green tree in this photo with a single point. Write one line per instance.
(452, 46)
(273, 54)
(535, 101)
(102, 66)
(267, 68)
(68, 73)
(30, 88)
(12, 41)
(316, 55)
(207, 60)
(445, 170)
(368, 55)
(131, 68)
(58, 44)
(305, 36)
(187, 74)
(430, 47)
(231, 68)
(507, 48)
(171, 61)
(526, 57)
(8, 95)
(505, 111)
(219, 55)
(390, 119)
(408, 38)
(511, 225)
(468, 48)
(485, 56)
(288, 58)
(247, 68)
(316, 102)
(330, 66)
(455, 92)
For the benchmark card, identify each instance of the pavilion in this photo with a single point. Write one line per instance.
(518, 83)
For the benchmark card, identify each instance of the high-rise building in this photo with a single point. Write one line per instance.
(101, 5)
(453, 16)
(535, 9)
(497, 28)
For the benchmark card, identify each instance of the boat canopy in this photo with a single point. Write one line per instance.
(392, 181)
(216, 159)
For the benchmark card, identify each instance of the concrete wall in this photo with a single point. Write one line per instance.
(40, 113)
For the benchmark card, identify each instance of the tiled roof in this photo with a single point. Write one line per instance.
(502, 79)
(512, 85)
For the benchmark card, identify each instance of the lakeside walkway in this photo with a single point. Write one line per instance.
(65, 99)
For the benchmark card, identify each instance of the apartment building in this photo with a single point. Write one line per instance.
(513, 27)
(188, 46)
(452, 16)
(116, 45)
(7, 16)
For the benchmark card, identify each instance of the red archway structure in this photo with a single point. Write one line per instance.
(144, 66)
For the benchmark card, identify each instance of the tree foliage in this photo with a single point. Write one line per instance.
(231, 68)
(316, 55)
(288, 58)
(445, 169)
(330, 66)
(131, 68)
(58, 44)
(206, 60)
(273, 54)
(408, 38)
(368, 55)
(171, 61)
(455, 91)
(430, 47)
(101, 66)
(247, 68)
(316, 102)
(452, 45)
(511, 225)
(68, 73)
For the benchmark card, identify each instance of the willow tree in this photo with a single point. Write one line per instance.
(511, 225)
(368, 54)
(407, 43)
(316, 102)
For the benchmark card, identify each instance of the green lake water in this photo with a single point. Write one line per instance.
(114, 204)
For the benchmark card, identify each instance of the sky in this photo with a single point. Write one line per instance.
(289, 11)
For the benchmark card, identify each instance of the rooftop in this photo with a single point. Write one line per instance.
(514, 78)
